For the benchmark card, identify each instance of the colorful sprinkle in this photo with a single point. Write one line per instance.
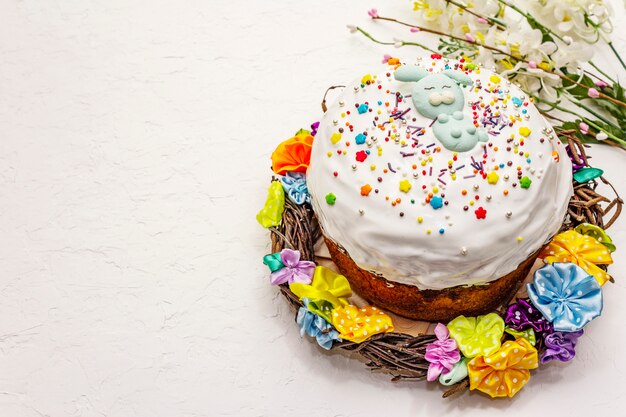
(436, 202)
(405, 186)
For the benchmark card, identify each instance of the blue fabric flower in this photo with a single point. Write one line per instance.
(294, 184)
(566, 295)
(315, 326)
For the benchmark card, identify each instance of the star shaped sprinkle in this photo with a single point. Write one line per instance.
(405, 186)
(525, 182)
(493, 177)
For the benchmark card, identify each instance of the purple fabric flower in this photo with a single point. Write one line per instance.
(295, 270)
(442, 354)
(523, 315)
(314, 128)
(575, 166)
(559, 346)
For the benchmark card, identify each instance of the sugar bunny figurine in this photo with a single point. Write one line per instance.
(439, 97)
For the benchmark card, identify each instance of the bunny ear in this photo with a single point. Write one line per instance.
(410, 73)
(458, 76)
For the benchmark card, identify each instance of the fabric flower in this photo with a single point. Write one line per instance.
(293, 155)
(584, 251)
(523, 315)
(272, 213)
(314, 127)
(294, 269)
(359, 324)
(294, 184)
(504, 372)
(315, 326)
(273, 261)
(456, 375)
(575, 165)
(326, 285)
(566, 295)
(528, 334)
(442, 354)
(477, 335)
(597, 233)
(560, 346)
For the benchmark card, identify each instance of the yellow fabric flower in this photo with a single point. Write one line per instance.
(582, 250)
(358, 324)
(506, 371)
(477, 335)
(327, 285)
(272, 213)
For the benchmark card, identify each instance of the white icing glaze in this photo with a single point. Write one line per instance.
(470, 251)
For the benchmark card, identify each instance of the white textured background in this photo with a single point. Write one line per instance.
(134, 154)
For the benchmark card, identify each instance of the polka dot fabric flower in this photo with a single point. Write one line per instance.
(442, 354)
(477, 335)
(358, 324)
(582, 250)
(506, 371)
(566, 295)
(272, 212)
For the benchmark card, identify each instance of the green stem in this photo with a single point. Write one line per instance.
(367, 35)
(584, 119)
(608, 77)
(590, 110)
(617, 54)
(421, 46)
(403, 43)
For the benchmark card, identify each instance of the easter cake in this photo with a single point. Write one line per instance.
(436, 184)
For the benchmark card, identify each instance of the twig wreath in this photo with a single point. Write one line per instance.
(493, 353)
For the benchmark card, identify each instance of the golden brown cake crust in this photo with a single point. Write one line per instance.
(430, 305)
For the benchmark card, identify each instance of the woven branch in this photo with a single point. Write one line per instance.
(399, 354)
(585, 206)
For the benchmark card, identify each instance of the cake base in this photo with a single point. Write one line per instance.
(430, 305)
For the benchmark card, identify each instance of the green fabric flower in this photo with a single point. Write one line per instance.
(528, 334)
(477, 336)
(597, 233)
(272, 213)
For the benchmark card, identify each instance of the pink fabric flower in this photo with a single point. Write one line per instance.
(593, 93)
(600, 84)
(373, 13)
(386, 58)
(470, 38)
(442, 354)
(294, 270)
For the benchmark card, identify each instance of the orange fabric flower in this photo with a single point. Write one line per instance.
(506, 371)
(293, 155)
